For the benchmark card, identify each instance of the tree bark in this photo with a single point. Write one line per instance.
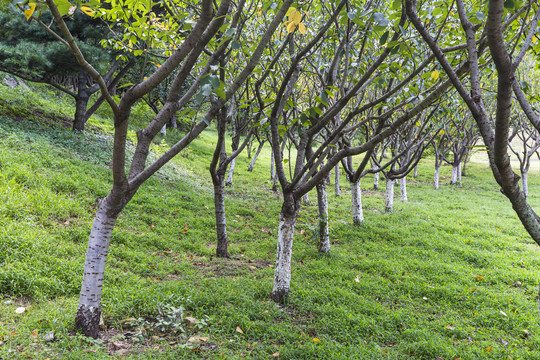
(415, 171)
(282, 273)
(221, 221)
(322, 201)
(356, 197)
(389, 204)
(459, 172)
(403, 187)
(436, 178)
(454, 179)
(81, 103)
(336, 185)
(252, 164)
(89, 311)
(231, 173)
(376, 177)
(305, 199)
(525, 182)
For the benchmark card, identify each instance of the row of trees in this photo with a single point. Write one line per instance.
(324, 83)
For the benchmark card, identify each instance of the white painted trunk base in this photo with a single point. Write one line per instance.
(282, 272)
(336, 184)
(230, 176)
(436, 179)
(89, 311)
(459, 172)
(525, 183)
(356, 197)
(454, 178)
(376, 181)
(389, 204)
(324, 232)
(403, 187)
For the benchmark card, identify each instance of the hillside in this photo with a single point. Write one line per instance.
(449, 274)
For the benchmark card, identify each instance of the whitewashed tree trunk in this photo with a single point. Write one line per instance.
(376, 177)
(324, 236)
(356, 197)
(231, 173)
(254, 160)
(305, 199)
(436, 178)
(272, 167)
(89, 311)
(221, 220)
(459, 172)
(389, 204)
(454, 179)
(415, 171)
(403, 187)
(163, 130)
(282, 272)
(336, 185)
(525, 182)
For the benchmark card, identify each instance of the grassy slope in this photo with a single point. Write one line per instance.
(437, 278)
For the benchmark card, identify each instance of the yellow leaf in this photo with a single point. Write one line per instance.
(302, 29)
(291, 27)
(297, 17)
(239, 330)
(88, 11)
(291, 11)
(534, 39)
(489, 348)
(418, 123)
(28, 13)
(315, 340)
(435, 75)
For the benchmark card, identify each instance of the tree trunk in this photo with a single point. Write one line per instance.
(221, 222)
(282, 273)
(403, 187)
(356, 195)
(272, 167)
(415, 171)
(89, 311)
(172, 123)
(525, 183)
(459, 172)
(376, 177)
(454, 179)
(163, 130)
(436, 178)
(336, 185)
(389, 204)
(252, 164)
(81, 103)
(322, 200)
(305, 199)
(231, 172)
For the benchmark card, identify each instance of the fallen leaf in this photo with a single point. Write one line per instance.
(449, 327)
(20, 310)
(191, 321)
(504, 342)
(276, 354)
(118, 345)
(239, 330)
(34, 333)
(316, 340)
(503, 313)
(488, 349)
(198, 339)
(478, 277)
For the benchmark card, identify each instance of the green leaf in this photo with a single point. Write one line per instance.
(214, 81)
(509, 4)
(206, 89)
(236, 45)
(219, 92)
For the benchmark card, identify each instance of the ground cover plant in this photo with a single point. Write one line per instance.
(449, 274)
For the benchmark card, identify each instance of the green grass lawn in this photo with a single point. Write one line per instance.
(450, 274)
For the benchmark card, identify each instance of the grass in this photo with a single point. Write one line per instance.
(450, 274)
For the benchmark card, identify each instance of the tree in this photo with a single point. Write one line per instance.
(508, 32)
(32, 53)
(197, 52)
